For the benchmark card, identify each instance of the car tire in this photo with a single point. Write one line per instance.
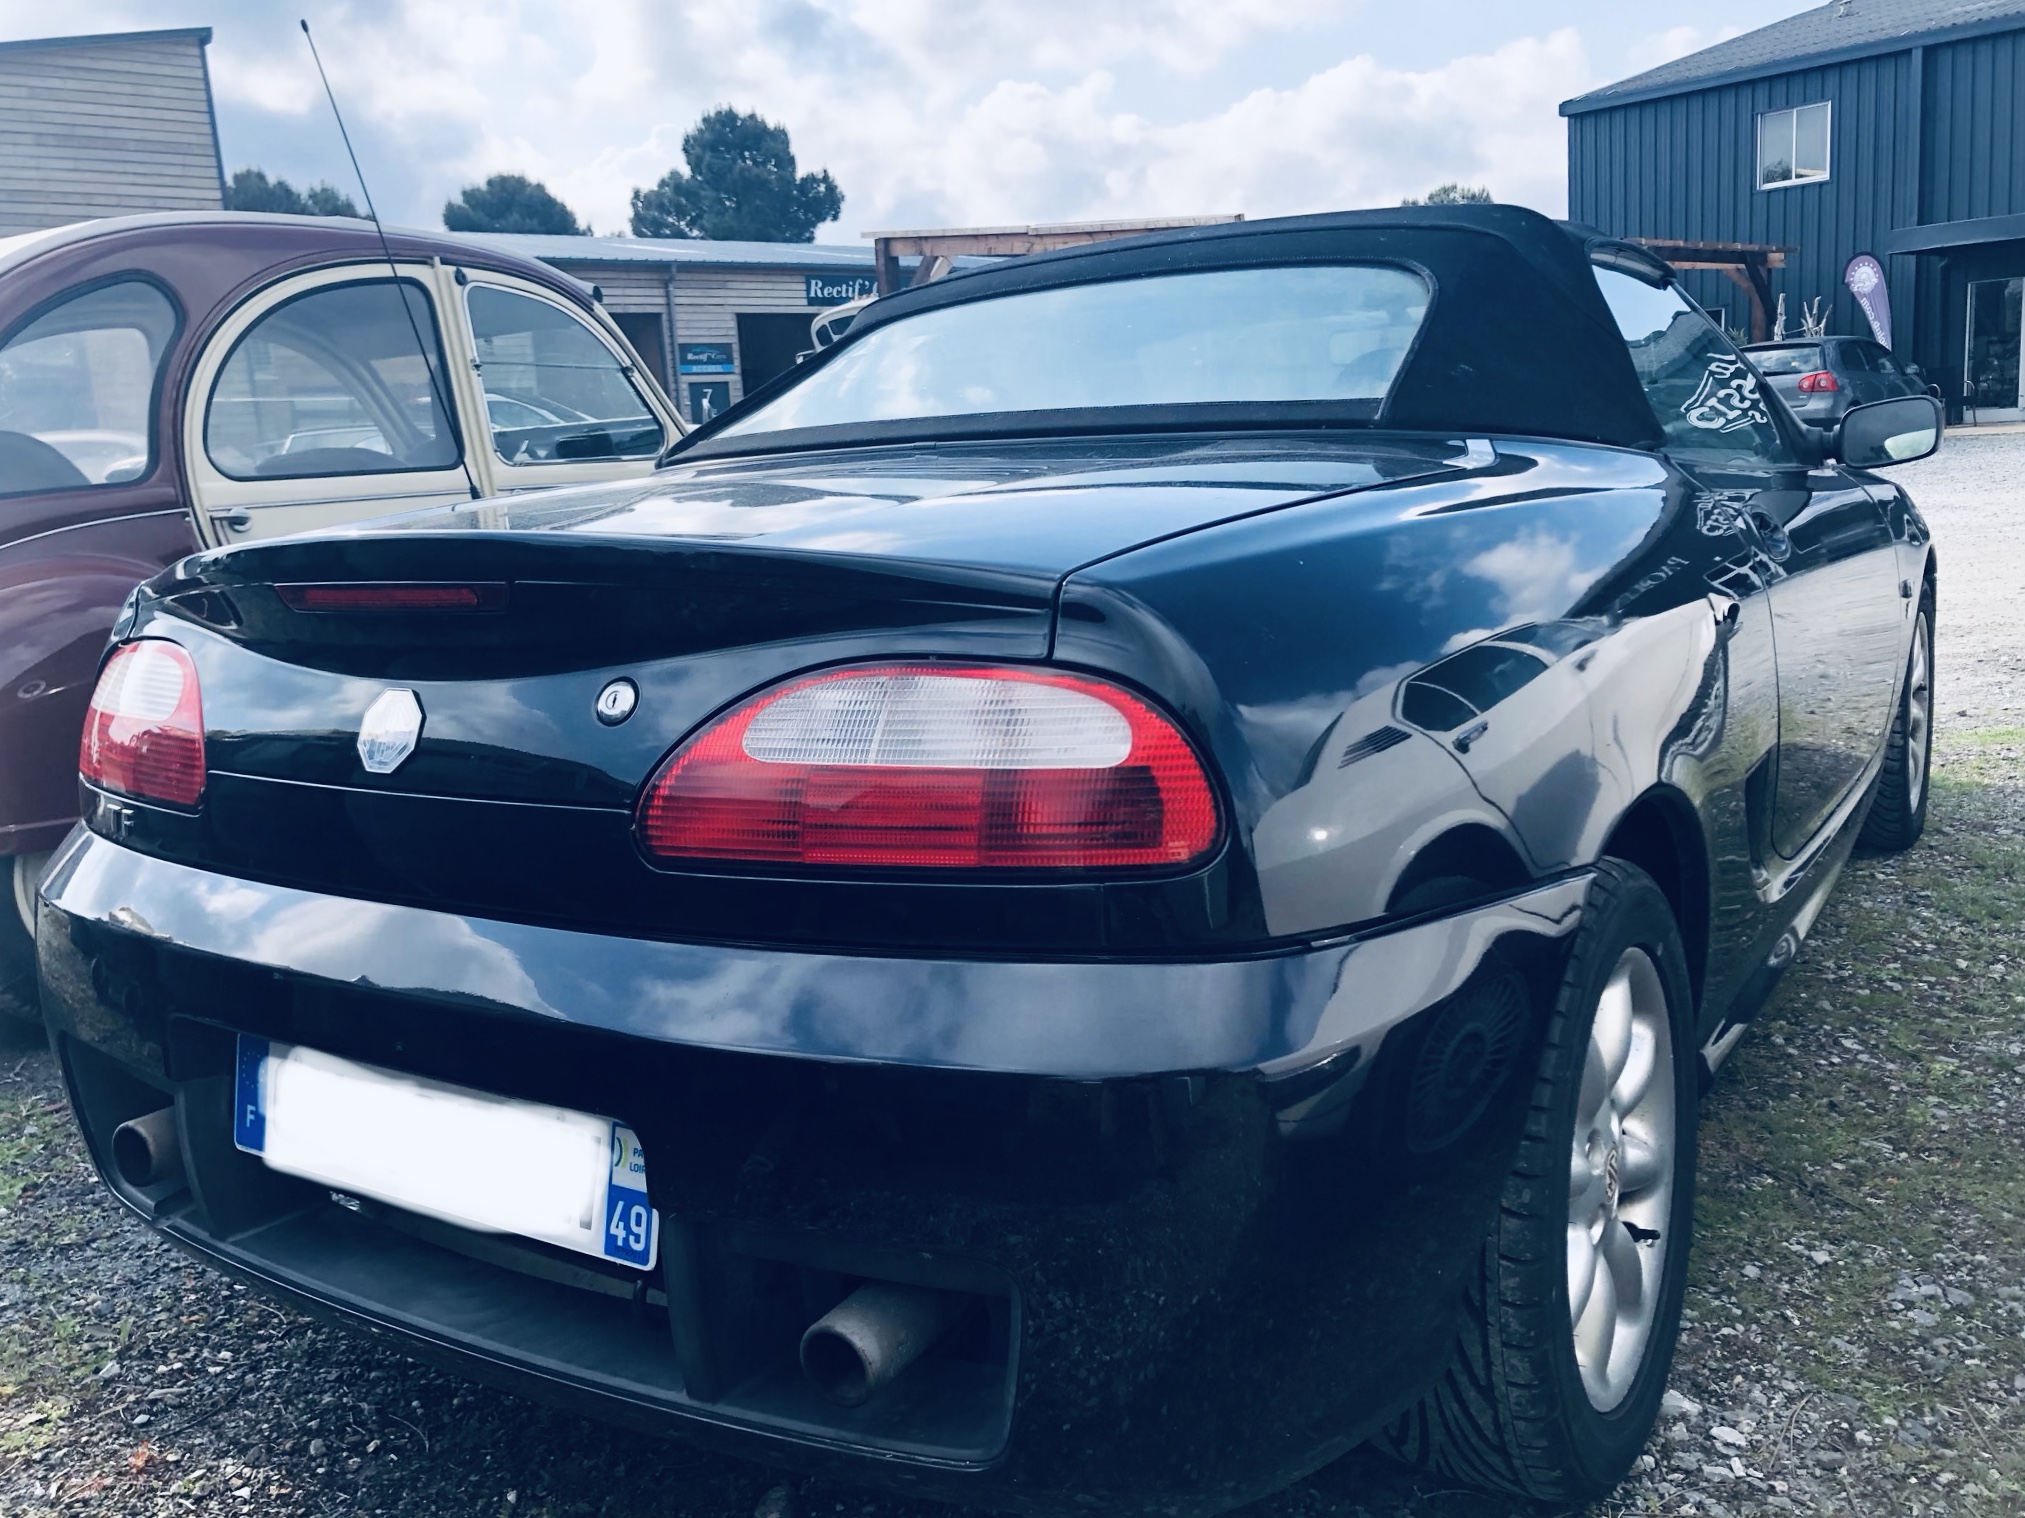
(20, 998)
(1526, 1404)
(1898, 807)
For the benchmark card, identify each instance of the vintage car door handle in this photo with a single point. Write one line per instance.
(1778, 547)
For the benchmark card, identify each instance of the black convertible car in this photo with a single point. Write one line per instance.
(1124, 881)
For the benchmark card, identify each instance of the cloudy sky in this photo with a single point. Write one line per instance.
(930, 112)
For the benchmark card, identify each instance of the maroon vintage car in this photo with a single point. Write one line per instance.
(173, 382)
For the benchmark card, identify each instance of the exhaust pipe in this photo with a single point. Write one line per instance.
(872, 1335)
(146, 1151)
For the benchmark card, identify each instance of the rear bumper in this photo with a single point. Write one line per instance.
(1210, 1232)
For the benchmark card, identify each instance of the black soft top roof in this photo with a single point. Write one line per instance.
(1518, 339)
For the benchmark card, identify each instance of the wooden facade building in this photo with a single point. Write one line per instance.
(104, 126)
(711, 319)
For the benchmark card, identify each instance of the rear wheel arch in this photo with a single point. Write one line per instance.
(1661, 834)
(1469, 860)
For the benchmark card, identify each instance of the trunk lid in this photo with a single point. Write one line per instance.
(697, 587)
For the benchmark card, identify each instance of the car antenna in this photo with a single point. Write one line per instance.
(373, 215)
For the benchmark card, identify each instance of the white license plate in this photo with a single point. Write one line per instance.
(482, 1162)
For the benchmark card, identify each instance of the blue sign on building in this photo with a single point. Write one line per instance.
(836, 289)
(704, 358)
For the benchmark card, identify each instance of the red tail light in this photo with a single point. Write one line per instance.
(929, 766)
(1820, 382)
(144, 729)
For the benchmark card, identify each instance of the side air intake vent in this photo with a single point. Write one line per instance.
(1371, 743)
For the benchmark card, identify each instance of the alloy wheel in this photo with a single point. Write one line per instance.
(1919, 711)
(1620, 1180)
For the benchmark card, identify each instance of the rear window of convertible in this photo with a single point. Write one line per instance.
(1331, 332)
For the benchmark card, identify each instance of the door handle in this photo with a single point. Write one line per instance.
(1771, 536)
(237, 521)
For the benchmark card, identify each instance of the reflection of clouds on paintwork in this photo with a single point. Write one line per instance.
(1281, 734)
(385, 946)
(1466, 638)
(354, 942)
(1538, 575)
(932, 1014)
(1378, 679)
(1066, 1018)
(289, 700)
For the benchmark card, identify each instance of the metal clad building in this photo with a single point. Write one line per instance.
(712, 319)
(106, 125)
(1889, 127)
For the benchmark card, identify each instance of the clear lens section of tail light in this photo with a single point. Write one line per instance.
(936, 767)
(144, 729)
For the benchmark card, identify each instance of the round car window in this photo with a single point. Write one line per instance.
(77, 390)
(334, 382)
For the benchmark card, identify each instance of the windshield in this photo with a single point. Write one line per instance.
(1804, 359)
(1335, 332)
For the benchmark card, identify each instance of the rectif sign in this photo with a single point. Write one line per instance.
(704, 358)
(836, 289)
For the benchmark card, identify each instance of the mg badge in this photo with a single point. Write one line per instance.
(392, 728)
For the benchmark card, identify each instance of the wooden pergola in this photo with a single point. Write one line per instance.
(1749, 264)
(937, 249)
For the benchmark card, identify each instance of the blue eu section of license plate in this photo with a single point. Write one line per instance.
(249, 1116)
(632, 1228)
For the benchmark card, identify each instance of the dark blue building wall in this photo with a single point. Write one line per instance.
(1974, 143)
(1686, 166)
(1925, 135)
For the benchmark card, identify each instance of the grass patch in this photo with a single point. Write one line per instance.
(1861, 1155)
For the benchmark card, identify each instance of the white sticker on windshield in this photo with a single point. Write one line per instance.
(1727, 398)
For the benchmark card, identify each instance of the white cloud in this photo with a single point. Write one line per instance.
(1675, 42)
(945, 112)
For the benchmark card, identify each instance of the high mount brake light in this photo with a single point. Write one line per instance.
(144, 729)
(395, 596)
(1820, 382)
(936, 767)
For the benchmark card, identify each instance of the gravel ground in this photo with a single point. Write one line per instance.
(1856, 1315)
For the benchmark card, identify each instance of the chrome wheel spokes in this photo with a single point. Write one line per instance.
(1919, 713)
(1620, 1179)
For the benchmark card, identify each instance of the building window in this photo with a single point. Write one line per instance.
(1793, 146)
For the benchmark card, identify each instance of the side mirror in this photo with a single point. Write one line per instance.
(1889, 432)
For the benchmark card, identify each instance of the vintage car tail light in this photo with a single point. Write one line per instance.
(144, 729)
(1820, 382)
(933, 766)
